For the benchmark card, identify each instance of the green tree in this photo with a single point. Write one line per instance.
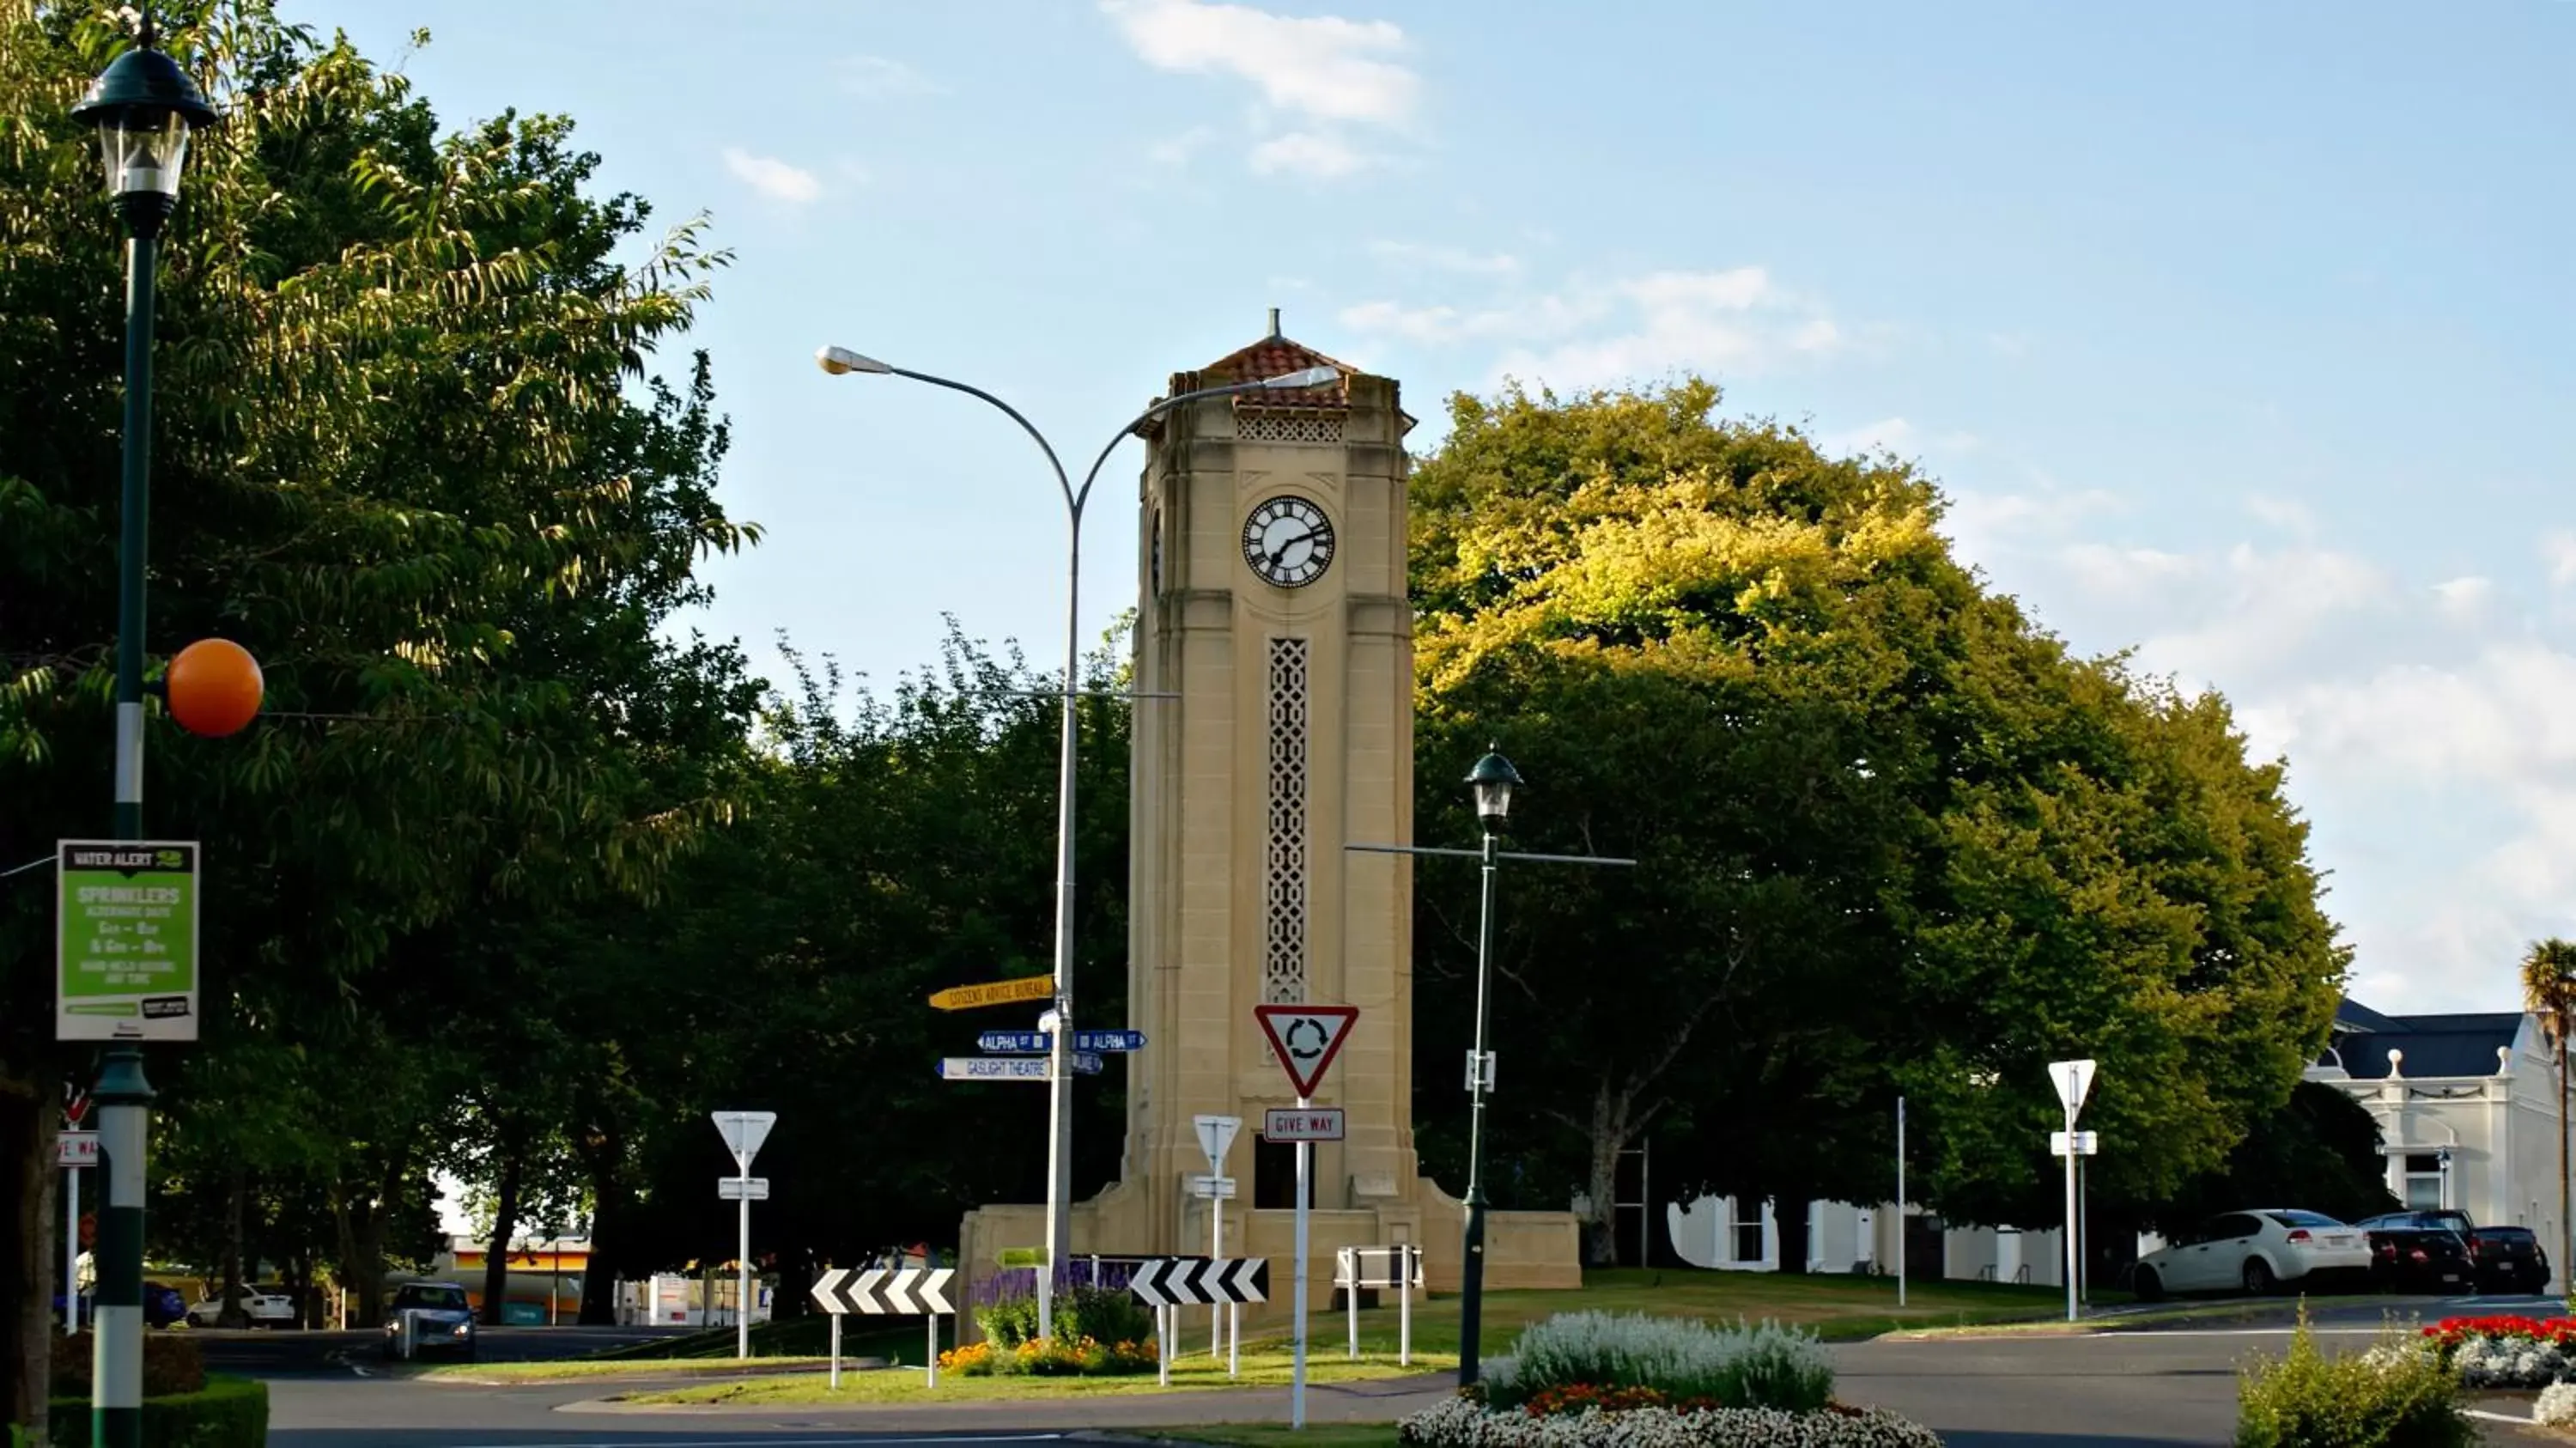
(2549, 992)
(1892, 836)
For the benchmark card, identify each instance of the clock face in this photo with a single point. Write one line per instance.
(1288, 541)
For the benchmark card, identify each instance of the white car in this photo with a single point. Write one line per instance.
(263, 1309)
(2253, 1251)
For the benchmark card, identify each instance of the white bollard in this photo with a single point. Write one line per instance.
(836, 1352)
(1404, 1306)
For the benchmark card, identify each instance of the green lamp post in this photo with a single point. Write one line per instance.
(145, 108)
(1493, 780)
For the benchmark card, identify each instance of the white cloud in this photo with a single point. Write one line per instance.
(2286, 514)
(2430, 725)
(879, 77)
(772, 177)
(1447, 258)
(1306, 153)
(1322, 66)
(1587, 333)
(1328, 73)
(2558, 549)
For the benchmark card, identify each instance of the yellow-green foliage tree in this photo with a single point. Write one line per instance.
(1892, 836)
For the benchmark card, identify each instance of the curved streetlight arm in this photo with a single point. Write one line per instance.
(1148, 415)
(1061, 480)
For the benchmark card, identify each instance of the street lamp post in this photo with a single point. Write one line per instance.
(1493, 779)
(144, 106)
(841, 361)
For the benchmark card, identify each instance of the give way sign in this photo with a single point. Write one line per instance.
(1306, 1038)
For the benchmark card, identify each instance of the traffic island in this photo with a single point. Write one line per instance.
(1269, 1367)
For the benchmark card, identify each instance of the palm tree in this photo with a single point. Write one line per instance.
(2549, 992)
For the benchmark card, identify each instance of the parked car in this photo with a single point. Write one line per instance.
(442, 1319)
(264, 1309)
(2253, 1251)
(2502, 1258)
(2408, 1258)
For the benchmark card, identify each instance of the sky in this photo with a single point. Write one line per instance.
(2236, 335)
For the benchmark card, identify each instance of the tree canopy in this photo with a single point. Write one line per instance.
(1892, 837)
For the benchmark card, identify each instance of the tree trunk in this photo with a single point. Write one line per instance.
(604, 1156)
(28, 1121)
(367, 1263)
(505, 1223)
(231, 1314)
(1609, 1138)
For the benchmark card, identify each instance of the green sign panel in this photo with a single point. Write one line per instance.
(127, 941)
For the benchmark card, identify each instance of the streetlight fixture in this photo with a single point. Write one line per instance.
(1493, 780)
(145, 107)
(841, 361)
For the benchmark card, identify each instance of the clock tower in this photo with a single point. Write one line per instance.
(1274, 651)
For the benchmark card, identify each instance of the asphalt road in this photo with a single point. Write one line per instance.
(2151, 1388)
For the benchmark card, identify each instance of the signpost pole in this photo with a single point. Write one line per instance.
(1305, 1172)
(742, 1274)
(1404, 1309)
(1351, 1298)
(1900, 1201)
(2070, 1213)
(71, 1251)
(931, 1363)
(1216, 1250)
(836, 1351)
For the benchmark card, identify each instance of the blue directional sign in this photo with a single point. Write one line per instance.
(1022, 1043)
(1013, 1068)
(1013, 1042)
(1109, 1040)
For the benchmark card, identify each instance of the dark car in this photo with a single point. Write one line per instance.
(162, 1306)
(2505, 1258)
(2419, 1252)
(2509, 1259)
(440, 1317)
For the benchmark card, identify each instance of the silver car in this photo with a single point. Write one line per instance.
(442, 1320)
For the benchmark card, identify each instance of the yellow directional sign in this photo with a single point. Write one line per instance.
(996, 993)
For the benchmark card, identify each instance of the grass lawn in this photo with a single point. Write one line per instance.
(576, 1369)
(1269, 1367)
(1837, 1308)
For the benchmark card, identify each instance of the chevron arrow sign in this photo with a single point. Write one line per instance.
(1190, 1281)
(877, 1291)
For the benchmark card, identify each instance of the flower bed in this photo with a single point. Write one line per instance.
(1598, 1381)
(2506, 1352)
(1462, 1423)
(1044, 1357)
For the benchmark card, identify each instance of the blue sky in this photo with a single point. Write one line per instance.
(2238, 334)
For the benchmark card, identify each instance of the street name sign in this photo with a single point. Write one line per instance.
(1214, 1188)
(76, 1149)
(995, 993)
(1303, 1123)
(126, 940)
(2086, 1143)
(1306, 1039)
(1012, 1068)
(742, 1189)
(1090, 1042)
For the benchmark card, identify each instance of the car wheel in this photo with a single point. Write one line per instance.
(2258, 1277)
(2149, 1286)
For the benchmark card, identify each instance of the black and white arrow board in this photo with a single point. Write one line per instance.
(1188, 1281)
(877, 1291)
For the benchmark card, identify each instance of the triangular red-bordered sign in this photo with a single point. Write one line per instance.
(1306, 1039)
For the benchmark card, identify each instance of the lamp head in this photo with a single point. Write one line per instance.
(1310, 377)
(144, 106)
(1494, 780)
(840, 360)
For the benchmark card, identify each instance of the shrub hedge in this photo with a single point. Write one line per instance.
(2399, 1394)
(1682, 1361)
(228, 1412)
(172, 1365)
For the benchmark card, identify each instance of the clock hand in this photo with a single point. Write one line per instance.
(1280, 553)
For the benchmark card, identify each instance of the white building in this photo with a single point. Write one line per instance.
(2467, 1108)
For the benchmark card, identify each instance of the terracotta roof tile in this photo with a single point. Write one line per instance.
(1276, 356)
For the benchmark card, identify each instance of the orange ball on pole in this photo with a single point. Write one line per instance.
(214, 687)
